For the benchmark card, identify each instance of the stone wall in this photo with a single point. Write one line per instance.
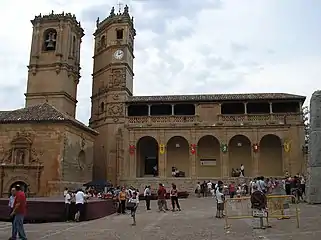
(42, 146)
(56, 156)
(78, 156)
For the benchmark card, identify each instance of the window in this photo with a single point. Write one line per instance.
(119, 34)
(102, 107)
(74, 46)
(50, 40)
(102, 42)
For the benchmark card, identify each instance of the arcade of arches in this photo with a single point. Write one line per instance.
(210, 159)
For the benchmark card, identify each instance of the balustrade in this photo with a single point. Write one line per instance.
(259, 118)
(162, 119)
(223, 119)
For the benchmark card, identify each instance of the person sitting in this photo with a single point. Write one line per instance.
(174, 172)
(155, 171)
(233, 172)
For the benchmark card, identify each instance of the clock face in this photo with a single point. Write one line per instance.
(118, 54)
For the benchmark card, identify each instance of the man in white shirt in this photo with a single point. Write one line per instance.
(220, 202)
(209, 187)
(80, 198)
(147, 196)
(67, 206)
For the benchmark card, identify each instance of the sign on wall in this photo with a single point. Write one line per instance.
(208, 162)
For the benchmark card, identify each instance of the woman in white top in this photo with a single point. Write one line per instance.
(132, 205)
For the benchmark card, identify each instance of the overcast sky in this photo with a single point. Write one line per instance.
(183, 47)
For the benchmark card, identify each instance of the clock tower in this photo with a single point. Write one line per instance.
(112, 84)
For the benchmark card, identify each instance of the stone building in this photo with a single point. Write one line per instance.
(203, 136)
(42, 146)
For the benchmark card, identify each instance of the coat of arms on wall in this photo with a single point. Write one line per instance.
(287, 145)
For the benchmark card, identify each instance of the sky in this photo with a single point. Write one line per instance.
(182, 47)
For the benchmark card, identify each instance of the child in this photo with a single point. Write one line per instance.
(133, 203)
(220, 202)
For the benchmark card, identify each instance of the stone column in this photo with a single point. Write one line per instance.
(314, 163)
(162, 157)
(285, 158)
(271, 108)
(148, 110)
(225, 171)
(245, 108)
(131, 168)
(173, 109)
(192, 157)
(255, 164)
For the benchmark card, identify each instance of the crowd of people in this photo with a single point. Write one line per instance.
(127, 199)
(257, 188)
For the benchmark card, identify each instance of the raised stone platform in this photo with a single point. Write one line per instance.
(52, 209)
(183, 184)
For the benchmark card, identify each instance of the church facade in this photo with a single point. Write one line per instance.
(42, 146)
(134, 140)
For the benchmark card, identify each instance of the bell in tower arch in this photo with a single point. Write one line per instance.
(50, 40)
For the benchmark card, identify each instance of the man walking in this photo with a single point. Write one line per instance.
(161, 195)
(11, 203)
(18, 212)
(147, 195)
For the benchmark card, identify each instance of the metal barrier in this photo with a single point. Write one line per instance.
(278, 207)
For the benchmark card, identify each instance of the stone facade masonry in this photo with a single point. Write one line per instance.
(55, 156)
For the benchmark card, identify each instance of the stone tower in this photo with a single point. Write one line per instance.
(54, 64)
(112, 84)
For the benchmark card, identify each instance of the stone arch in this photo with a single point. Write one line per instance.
(21, 180)
(50, 39)
(240, 152)
(271, 159)
(146, 156)
(177, 155)
(208, 157)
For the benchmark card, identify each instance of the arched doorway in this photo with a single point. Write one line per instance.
(146, 156)
(240, 152)
(208, 157)
(271, 161)
(23, 185)
(177, 155)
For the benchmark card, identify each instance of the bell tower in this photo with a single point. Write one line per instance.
(113, 64)
(112, 85)
(54, 66)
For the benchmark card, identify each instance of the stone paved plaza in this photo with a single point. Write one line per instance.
(196, 221)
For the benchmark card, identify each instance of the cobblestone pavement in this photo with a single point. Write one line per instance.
(196, 221)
